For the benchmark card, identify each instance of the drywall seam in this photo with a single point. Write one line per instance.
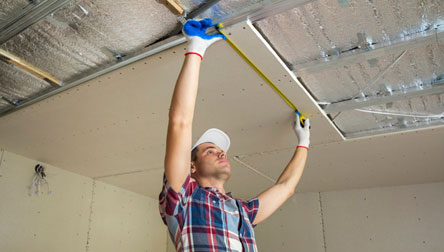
(126, 173)
(265, 152)
(1, 160)
(411, 131)
(254, 170)
(322, 222)
(90, 216)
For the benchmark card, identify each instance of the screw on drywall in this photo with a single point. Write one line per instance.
(16, 101)
(120, 57)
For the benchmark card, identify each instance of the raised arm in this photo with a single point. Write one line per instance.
(178, 146)
(272, 198)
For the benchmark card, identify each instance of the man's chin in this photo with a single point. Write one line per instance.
(225, 172)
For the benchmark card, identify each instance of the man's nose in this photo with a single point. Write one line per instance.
(222, 154)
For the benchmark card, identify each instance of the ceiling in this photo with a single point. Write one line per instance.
(367, 62)
(113, 127)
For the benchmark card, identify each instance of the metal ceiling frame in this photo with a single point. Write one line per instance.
(437, 86)
(391, 130)
(260, 12)
(415, 40)
(28, 17)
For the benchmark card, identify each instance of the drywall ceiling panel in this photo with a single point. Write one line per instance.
(327, 27)
(149, 182)
(10, 7)
(116, 123)
(85, 35)
(397, 159)
(113, 128)
(245, 183)
(248, 39)
(17, 85)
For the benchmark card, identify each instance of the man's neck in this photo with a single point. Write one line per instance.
(211, 182)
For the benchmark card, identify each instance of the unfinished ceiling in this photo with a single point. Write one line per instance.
(333, 47)
(356, 68)
(78, 39)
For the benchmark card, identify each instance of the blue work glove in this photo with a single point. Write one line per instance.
(303, 133)
(198, 40)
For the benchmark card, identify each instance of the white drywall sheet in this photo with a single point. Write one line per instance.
(386, 219)
(404, 218)
(296, 226)
(79, 215)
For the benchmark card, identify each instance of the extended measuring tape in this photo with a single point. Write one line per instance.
(220, 27)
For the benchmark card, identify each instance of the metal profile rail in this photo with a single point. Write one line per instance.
(436, 87)
(28, 17)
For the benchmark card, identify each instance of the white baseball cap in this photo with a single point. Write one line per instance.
(215, 136)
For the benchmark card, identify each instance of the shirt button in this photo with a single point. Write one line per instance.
(214, 202)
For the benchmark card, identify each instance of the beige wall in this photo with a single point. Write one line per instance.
(389, 219)
(86, 215)
(80, 215)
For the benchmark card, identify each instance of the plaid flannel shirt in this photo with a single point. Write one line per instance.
(203, 219)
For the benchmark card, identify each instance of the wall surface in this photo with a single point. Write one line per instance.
(80, 214)
(385, 219)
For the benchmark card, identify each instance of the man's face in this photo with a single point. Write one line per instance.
(211, 162)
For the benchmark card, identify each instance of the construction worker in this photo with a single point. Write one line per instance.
(193, 203)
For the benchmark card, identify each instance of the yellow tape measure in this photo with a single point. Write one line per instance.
(219, 27)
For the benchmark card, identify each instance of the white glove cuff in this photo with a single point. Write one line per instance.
(304, 142)
(197, 46)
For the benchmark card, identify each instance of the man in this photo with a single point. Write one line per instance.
(193, 204)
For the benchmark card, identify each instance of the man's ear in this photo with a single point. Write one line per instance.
(193, 167)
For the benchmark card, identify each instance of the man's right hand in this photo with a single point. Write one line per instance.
(199, 41)
(303, 133)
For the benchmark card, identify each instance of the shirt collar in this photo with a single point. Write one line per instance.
(214, 189)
